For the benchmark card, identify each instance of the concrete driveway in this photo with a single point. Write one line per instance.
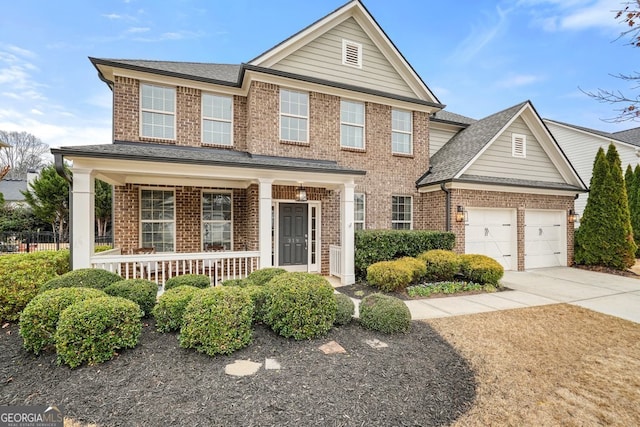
(606, 293)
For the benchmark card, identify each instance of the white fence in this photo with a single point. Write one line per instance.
(218, 266)
(335, 260)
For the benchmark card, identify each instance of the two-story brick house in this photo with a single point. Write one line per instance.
(278, 161)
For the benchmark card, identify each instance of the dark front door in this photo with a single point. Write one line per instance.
(293, 234)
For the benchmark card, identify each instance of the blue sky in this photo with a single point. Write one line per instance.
(478, 57)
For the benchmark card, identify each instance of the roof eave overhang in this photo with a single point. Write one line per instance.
(498, 187)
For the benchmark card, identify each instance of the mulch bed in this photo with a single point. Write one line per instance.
(418, 380)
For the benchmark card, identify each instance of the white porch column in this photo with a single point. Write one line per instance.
(264, 225)
(83, 217)
(347, 233)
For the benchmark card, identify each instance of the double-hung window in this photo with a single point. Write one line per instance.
(401, 212)
(294, 116)
(351, 124)
(217, 114)
(217, 225)
(359, 211)
(401, 132)
(157, 220)
(158, 108)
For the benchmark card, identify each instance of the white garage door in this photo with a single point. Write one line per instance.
(545, 238)
(492, 232)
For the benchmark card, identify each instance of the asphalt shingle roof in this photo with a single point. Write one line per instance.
(161, 153)
(632, 136)
(465, 145)
(448, 116)
(10, 189)
(518, 182)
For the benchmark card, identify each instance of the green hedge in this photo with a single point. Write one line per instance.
(389, 276)
(441, 265)
(92, 330)
(218, 321)
(481, 269)
(372, 246)
(169, 311)
(22, 275)
(384, 313)
(39, 318)
(201, 281)
(300, 305)
(264, 275)
(95, 278)
(142, 292)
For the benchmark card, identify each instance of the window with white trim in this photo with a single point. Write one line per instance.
(401, 212)
(401, 132)
(351, 124)
(351, 53)
(294, 116)
(217, 221)
(518, 145)
(157, 110)
(217, 119)
(359, 211)
(157, 220)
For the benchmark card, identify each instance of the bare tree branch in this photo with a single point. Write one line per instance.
(26, 152)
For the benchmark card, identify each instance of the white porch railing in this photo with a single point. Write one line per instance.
(335, 260)
(218, 266)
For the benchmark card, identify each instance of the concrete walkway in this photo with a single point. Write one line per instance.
(606, 293)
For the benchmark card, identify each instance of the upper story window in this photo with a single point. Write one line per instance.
(401, 132)
(157, 220)
(294, 116)
(359, 211)
(217, 114)
(401, 212)
(518, 145)
(158, 108)
(351, 53)
(351, 124)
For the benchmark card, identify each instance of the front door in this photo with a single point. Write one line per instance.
(293, 238)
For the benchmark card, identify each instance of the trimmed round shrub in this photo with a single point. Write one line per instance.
(92, 330)
(345, 309)
(481, 269)
(243, 283)
(171, 306)
(258, 296)
(142, 292)
(264, 275)
(196, 280)
(441, 265)
(95, 278)
(390, 276)
(417, 267)
(384, 313)
(300, 305)
(39, 318)
(218, 321)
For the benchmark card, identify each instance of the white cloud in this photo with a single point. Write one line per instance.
(518, 80)
(138, 30)
(37, 112)
(22, 52)
(481, 36)
(557, 15)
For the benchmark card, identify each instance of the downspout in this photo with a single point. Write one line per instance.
(447, 204)
(59, 165)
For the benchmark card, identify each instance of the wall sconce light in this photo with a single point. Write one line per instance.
(573, 217)
(301, 194)
(460, 216)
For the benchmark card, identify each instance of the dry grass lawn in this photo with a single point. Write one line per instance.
(548, 366)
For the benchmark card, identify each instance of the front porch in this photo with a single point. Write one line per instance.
(222, 220)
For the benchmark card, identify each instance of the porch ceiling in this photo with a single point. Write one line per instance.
(155, 164)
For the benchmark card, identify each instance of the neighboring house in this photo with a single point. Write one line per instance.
(12, 189)
(280, 159)
(581, 145)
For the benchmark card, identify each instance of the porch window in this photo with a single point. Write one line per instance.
(157, 218)
(294, 116)
(359, 210)
(216, 221)
(157, 107)
(401, 132)
(217, 119)
(401, 212)
(351, 124)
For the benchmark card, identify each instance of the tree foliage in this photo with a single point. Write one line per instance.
(26, 152)
(48, 198)
(605, 237)
(103, 205)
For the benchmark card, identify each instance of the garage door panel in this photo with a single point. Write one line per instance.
(491, 232)
(545, 239)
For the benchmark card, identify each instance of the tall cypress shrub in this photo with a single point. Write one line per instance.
(634, 207)
(626, 251)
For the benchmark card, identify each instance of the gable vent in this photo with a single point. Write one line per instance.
(351, 53)
(518, 145)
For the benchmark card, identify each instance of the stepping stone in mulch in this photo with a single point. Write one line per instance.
(376, 343)
(271, 365)
(242, 368)
(332, 348)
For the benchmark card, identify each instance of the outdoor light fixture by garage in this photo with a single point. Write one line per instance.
(460, 214)
(573, 217)
(301, 194)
